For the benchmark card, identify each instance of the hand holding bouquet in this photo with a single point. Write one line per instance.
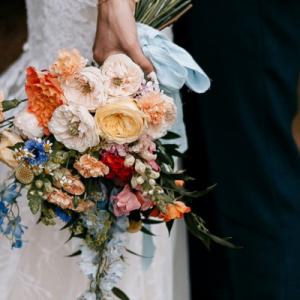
(90, 148)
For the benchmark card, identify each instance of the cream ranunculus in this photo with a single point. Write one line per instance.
(120, 121)
(27, 125)
(86, 89)
(8, 139)
(122, 77)
(74, 126)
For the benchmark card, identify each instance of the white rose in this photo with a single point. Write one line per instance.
(74, 126)
(86, 89)
(27, 124)
(122, 77)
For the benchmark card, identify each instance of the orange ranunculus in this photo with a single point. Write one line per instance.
(175, 210)
(44, 95)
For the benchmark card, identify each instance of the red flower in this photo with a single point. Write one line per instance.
(117, 170)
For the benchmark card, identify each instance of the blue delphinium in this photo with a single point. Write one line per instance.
(9, 193)
(62, 215)
(10, 221)
(38, 152)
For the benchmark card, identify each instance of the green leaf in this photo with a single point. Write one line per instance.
(34, 201)
(170, 226)
(196, 226)
(16, 146)
(11, 104)
(139, 255)
(77, 253)
(120, 294)
(151, 221)
(171, 136)
(147, 231)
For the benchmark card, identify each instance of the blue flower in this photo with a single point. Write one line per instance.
(62, 215)
(9, 194)
(37, 149)
(3, 209)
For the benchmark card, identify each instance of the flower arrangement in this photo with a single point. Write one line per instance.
(88, 149)
(92, 148)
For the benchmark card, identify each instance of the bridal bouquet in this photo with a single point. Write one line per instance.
(92, 148)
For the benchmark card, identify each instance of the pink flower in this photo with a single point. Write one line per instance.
(154, 165)
(146, 203)
(125, 202)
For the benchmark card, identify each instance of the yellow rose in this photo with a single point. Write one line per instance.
(120, 121)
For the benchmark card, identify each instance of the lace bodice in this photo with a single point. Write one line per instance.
(56, 24)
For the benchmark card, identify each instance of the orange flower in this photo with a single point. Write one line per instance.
(88, 166)
(180, 183)
(44, 95)
(61, 199)
(65, 201)
(174, 211)
(68, 63)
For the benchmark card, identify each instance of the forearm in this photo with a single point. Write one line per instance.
(117, 32)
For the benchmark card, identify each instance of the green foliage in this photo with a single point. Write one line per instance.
(121, 295)
(197, 227)
(34, 200)
(11, 104)
(161, 13)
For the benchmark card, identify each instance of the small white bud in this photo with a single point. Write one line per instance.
(129, 160)
(140, 167)
(152, 182)
(140, 180)
(154, 174)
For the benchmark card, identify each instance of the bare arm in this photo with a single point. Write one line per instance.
(117, 33)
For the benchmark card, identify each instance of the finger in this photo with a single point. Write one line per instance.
(137, 55)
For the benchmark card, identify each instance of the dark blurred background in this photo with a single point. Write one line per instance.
(13, 31)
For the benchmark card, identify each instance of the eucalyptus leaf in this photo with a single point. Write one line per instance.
(120, 294)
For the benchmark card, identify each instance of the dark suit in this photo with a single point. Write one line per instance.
(251, 51)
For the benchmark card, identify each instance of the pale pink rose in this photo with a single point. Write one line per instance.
(146, 203)
(122, 77)
(125, 202)
(86, 89)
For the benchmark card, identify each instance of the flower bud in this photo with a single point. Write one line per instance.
(140, 167)
(152, 182)
(154, 174)
(129, 160)
(39, 184)
(140, 180)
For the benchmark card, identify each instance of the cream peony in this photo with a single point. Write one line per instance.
(86, 89)
(122, 77)
(74, 126)
(8, 139)
(160, 112)
(27, 125)
(120, 121)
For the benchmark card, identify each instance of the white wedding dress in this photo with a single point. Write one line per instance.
(41, 270)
